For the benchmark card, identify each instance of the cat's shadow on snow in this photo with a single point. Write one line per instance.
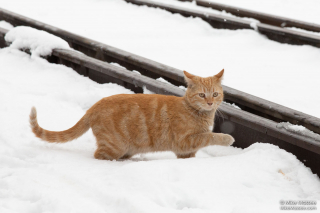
(204, 153)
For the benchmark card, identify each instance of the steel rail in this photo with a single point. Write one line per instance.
(262, 17)
(246, 128)
(154, 69)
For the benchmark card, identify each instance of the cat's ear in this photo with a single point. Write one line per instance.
(219, 75)
(189, 78)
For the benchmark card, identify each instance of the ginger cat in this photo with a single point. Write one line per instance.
(125, 124)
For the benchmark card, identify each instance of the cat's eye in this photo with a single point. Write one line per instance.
(202, 95)
(215, 94)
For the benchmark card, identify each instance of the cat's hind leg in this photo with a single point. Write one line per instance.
(110, 145)
(126, 156)
(108, 150)
(188, 155)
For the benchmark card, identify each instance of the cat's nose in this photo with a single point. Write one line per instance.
(209, 104)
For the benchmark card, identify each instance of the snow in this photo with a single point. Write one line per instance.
(299, 129)
(304, 31)
(5, 25)
(233, 105)
(146, 91)
(36, 176)
(254, 25)
(116, 64)
(183, 88)
(135, 71)
(163, 80)
(167, 82)
(39, 42)
(252, 63)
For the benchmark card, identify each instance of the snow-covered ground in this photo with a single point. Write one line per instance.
(282, 73)
(39, 177)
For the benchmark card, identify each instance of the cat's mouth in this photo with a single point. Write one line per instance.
(209, 108)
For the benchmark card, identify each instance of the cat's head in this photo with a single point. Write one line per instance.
(204, 93)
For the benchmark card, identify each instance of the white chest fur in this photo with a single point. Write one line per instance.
(210, 128)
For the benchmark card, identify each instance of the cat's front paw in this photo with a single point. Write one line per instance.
(228, 140)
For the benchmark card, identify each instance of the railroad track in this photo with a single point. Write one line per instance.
(274, 20)
(257, 124)
(275, 33)
(262, 17)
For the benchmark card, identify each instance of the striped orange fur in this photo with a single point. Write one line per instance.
(125, 125)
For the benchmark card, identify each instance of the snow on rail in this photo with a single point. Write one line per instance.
(301, 130)
(6, 25)
(39, 42)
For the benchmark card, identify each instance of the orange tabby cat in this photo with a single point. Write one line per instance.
(125, 125)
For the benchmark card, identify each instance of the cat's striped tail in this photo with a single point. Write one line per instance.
(59, 137)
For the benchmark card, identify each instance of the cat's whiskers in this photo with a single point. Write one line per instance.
(219, 113)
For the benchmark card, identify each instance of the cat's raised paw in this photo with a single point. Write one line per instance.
(228, 140)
